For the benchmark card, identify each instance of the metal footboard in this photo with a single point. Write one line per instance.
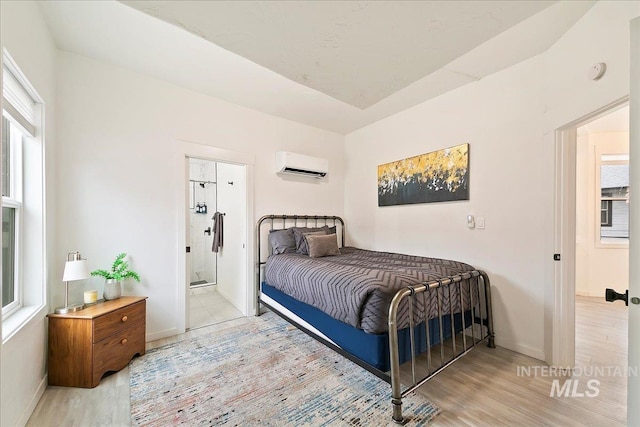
(480, 327)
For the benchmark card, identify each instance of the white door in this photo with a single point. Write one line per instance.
(232, 258)
(633, 385)
(183, 286)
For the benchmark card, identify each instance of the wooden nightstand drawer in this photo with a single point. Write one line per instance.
(118, 320)
(86, 344)
(115, 352)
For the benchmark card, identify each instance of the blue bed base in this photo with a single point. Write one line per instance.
(373, 349)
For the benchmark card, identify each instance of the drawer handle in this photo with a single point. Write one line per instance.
(124, 318)
(124, 341)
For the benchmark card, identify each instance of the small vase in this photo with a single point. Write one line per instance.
(112, 289)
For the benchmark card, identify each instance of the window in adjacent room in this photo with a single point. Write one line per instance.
(22, 182)
(614, 198)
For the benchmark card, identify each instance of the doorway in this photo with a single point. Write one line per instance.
(602, 204)
(229, 268)
(212, 301)
(564, 292)
(602, 253)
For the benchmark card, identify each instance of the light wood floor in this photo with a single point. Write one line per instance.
(482, 389)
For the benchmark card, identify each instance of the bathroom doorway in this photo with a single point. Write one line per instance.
(216, 214)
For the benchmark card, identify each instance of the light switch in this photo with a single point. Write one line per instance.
(471, 222)
(480, 223)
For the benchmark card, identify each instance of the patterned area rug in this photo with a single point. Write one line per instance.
(257, 371)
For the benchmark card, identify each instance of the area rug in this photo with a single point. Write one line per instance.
(259, 371)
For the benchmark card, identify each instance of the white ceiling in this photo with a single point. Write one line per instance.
(357, 52)
(334, 65)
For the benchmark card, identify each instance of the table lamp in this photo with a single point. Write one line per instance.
(75, 268)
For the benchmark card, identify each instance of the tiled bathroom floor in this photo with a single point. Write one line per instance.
(208, 307)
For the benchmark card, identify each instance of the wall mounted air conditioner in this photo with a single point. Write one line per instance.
(299, 164)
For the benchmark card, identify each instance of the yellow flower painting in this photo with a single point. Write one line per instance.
(439, 176)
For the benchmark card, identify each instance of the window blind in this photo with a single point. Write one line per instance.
(17, 103)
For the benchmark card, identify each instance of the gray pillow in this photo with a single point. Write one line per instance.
(298, 234)
(282, 241)
(322, 245)
(304, 247)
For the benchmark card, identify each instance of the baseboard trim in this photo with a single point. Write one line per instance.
(162, 334)
(521, 348)
(34, 401)
(226, 296)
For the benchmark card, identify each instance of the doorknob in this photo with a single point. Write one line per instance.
(208, 231)
(611, 295)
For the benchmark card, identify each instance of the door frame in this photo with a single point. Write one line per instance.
(633, 383)
(564, 323)
(183, 151)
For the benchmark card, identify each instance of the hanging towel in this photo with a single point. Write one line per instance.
(217, 231)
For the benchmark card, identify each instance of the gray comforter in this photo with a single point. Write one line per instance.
(357, 286)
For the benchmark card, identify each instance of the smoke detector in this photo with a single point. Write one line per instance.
(597, 70)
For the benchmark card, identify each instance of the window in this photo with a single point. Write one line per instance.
(22, 184)
(605, 213)
(614, 198)
(11, 215)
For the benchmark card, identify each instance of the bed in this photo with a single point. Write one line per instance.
(380, 310)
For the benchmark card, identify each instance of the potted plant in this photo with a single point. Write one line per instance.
(114, 277)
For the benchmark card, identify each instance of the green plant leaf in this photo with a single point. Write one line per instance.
(119, 270)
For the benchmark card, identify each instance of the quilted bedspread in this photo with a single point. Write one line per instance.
(357, 286)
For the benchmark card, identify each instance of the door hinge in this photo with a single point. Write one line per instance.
(188, 249)
(556, 257)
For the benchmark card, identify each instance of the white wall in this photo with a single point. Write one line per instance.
(119, 178)
(26, 37)
(597, 266)
(508, 119)
(232, 273)
(505, 173)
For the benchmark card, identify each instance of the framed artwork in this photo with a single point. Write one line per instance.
(439, 176)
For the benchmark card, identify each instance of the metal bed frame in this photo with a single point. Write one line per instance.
(481, 327)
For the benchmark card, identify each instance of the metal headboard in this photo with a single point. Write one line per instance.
(280, 222)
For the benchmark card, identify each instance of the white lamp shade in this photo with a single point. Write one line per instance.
(76, 270)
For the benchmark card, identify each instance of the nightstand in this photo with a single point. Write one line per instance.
(85, 345)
